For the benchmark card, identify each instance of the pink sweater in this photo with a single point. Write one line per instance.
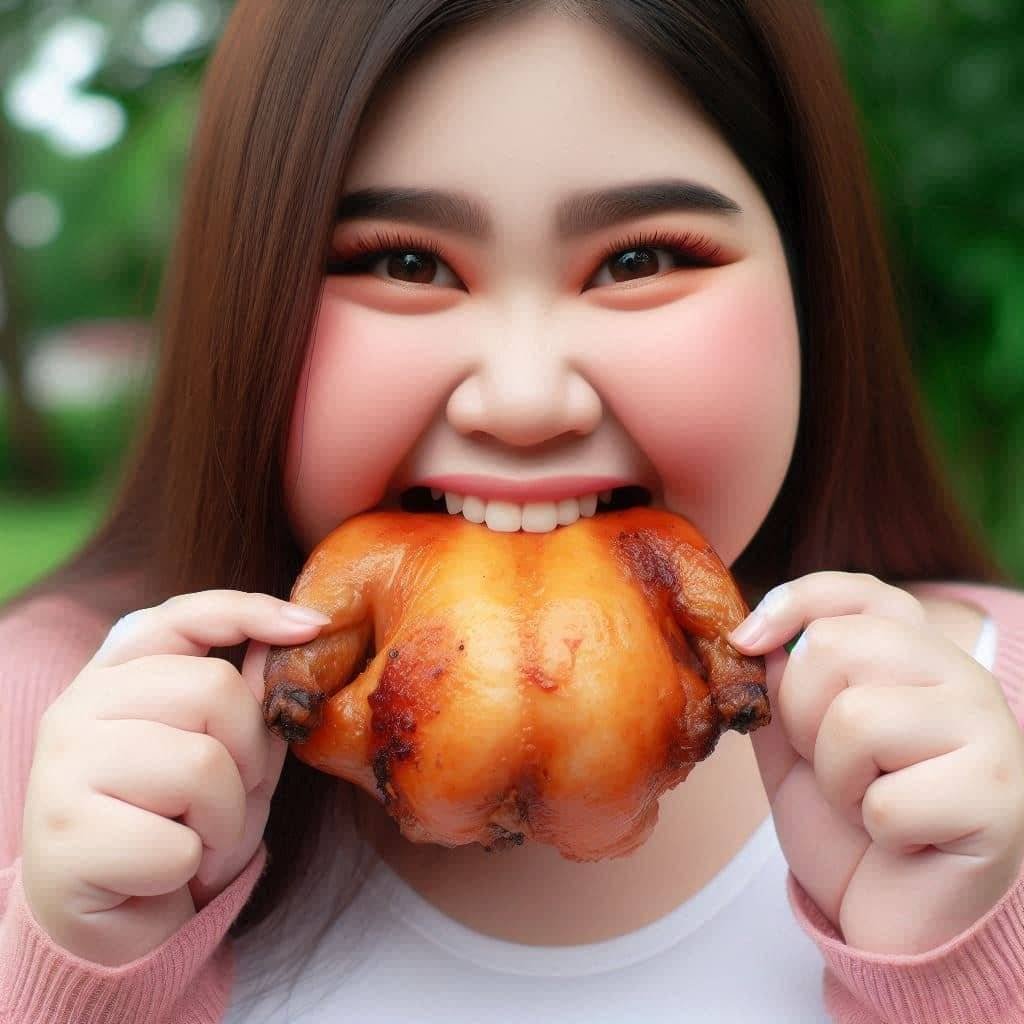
(975, 978)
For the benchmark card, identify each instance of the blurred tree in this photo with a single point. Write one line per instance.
(99, 101)
(101, 95)
(33, 465)
(941, 87)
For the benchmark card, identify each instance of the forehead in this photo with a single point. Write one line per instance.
(533, 106)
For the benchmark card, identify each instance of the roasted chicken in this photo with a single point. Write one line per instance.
(493, 687)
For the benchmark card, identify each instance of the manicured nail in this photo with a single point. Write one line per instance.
(305, 616)
(753, 627)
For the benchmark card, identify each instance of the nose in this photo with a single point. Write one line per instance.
(524, 392)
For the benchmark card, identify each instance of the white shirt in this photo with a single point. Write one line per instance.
(730, 954)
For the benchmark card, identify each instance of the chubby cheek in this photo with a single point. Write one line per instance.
(709, 388)
(368, 389)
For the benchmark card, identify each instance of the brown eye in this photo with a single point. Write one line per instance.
(643, 261)
(634, 263)
(417, 268)
(647, 255)
(407, 266)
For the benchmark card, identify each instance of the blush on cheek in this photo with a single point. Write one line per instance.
(709, 388)
(368, 389)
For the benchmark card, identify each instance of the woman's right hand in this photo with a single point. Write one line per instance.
(152, 774)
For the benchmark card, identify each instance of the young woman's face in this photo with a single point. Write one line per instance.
(652, 344)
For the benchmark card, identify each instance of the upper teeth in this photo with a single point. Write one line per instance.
(509, 516)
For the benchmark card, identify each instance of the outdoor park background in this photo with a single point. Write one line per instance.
(97, 100)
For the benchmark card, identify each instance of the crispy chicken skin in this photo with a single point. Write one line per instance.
(492, 687)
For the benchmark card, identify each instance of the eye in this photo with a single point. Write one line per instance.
(395, 258)
(638, 257)
(410, 260)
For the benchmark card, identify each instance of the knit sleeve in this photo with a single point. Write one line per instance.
(186, 978)
(43, 646)
(978, 976)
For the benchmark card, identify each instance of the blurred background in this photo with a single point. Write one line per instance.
(98, 102)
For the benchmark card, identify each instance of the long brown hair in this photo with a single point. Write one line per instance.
(200, 504)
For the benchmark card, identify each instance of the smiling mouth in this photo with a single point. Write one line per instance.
(535, 517)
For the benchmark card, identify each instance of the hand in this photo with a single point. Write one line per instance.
(893, 763)
(152, 775)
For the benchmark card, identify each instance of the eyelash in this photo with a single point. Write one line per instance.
(362, 252)
(685, 243)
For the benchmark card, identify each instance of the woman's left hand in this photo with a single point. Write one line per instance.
(893, 763)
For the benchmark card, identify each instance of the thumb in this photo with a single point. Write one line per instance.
(772, 749)
(252, 667)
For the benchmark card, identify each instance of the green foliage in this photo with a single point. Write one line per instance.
(118, 209)
(118, 206)
(89, 441)
(941, 89)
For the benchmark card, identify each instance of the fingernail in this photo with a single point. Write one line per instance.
(750, 630)
(306, 616)
(772, 601)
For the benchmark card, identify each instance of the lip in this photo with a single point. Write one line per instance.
(550, 488)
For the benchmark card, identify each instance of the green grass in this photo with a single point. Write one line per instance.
(38, 534)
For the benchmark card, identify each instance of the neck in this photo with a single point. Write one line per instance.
(531, 894)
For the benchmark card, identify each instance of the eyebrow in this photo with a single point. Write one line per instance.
(578, 214)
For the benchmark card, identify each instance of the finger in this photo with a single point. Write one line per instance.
(153, 855)
(217, 873)
(173, 774)
(948, 802)
(252, 674)
(861, 650)
(801, 812)
(253, 664)
(199, 695)
(792, 606)
(775, 756)
(868, 731)
(193, 623)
